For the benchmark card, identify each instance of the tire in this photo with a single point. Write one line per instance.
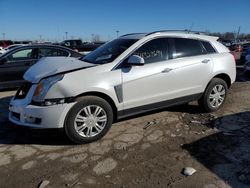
(81, 121)
(210, 102)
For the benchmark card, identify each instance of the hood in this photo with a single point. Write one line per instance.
(49, 66)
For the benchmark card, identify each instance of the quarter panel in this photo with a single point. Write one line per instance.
(224, 63)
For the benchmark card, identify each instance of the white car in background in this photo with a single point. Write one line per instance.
(3, 50)
(133, 74)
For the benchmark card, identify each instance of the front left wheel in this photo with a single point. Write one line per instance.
(88, 120)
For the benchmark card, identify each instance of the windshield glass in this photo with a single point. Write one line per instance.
(109, 51)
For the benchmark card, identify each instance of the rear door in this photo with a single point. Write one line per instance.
(16, 64)
(192, 65)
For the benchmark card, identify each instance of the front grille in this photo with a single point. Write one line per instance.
(23, 91)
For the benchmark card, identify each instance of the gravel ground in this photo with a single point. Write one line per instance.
(150, 150)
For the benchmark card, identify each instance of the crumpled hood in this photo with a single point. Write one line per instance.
(49, 66)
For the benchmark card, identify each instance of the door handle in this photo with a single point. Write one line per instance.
(166, 70)
(205, 61)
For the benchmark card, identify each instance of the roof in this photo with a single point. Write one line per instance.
(172, 33)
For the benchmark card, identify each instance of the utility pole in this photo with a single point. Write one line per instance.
(238, 33)
(92, 37)
(117, 33)
(66, 34)
(40, 38)
(3, 36)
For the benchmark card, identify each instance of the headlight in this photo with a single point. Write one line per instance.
(43, 87)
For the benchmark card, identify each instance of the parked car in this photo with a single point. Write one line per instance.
(80, 46)
(22, 42)
(245, 52)
(227, 43)
(133, 74)
(9, 48)
(5, 43)
(16, 61)
(247, 64)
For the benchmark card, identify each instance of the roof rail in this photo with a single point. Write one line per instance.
(131, 34)
(181, 31)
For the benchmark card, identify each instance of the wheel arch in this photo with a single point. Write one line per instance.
(103, 96)
(224, 77)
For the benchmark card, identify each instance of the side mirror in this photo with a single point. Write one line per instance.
(135, 60)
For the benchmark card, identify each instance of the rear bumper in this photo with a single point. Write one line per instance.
(38, 116)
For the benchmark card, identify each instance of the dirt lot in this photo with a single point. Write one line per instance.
(145, 151)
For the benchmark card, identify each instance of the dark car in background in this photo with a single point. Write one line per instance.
(244, 54)
(22, 42)
(15, 62)
(81, 46)
(5, 43)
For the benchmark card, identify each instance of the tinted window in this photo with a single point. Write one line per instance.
(78, 43)
(67, 43)
(187, 47)
(50, 52)
(153, 51)
(21, 54)
(209, 48)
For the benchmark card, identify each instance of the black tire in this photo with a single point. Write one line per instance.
(204, 101)
(84, 102)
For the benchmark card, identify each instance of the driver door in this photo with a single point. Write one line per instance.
(152, 82)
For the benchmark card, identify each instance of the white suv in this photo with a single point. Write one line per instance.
(129, 75)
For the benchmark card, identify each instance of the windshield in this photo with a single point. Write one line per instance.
(109, 51)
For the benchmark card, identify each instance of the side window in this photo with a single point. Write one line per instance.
(21, 55)
(45, 52)
(50, 52)
(153, 51)
(209, 48)
(187, 47)
(67, 43)
(62, 53)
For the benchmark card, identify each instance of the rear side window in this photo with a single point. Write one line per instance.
(208, 47)
(153, 51)
(50, 52)
(186, 48)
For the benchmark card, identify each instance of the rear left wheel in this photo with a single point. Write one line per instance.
(214, 96)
